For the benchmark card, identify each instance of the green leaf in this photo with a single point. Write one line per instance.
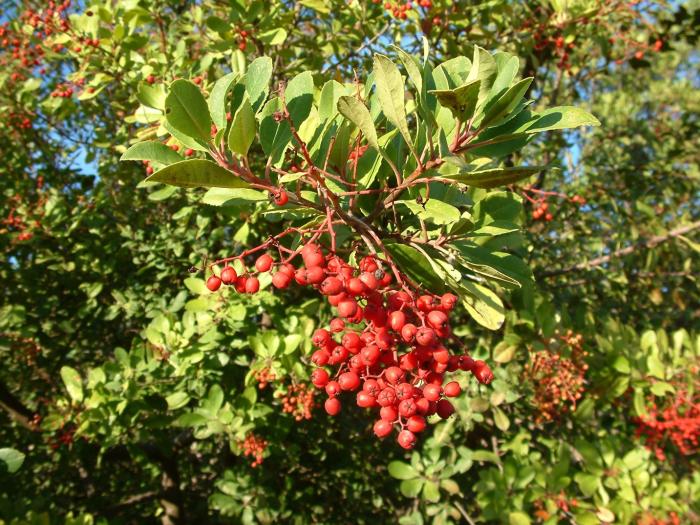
(483, 305)
(177, 400)
(274, 37)
(257, 80)
(588, 483)
(357, 113)
(460, 101)
(186, 110)
(151, 150)
(299, 97)
(401, 470)
(416, 265)
(483, 68)
(218, 105)
(12, 458)
(390, 92)
(242, 132)
(162, 194)
(413, 68)
(497, 110)
(562, 117)
(434, 210)
(518, 518)
(431, 491)
(411, 487)
(492, 178)
(500, 419)
(328, 103)
(71, 379)
(232, 196)
(152, 96)
(198, 172)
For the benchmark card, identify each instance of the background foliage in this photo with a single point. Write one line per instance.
(128, 392)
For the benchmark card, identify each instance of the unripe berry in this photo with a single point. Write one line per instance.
(349, 381)
(445, 408)
(432, 392)
(332, 406)
(252, 285)
(213, 283)
(382, 428)
(264, 263)
(319, 377)
(452, 389)
(406, 439)
(416, 424)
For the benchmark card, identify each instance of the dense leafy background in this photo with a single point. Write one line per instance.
(127, 389)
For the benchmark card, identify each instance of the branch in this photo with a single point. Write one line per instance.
(647, 244)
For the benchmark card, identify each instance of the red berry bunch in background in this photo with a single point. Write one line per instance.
(254, 446)
(298, 400)
(558, 381)
(264, 376)
(676, 422)
(386, 344)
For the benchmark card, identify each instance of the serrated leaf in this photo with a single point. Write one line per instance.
(243, 127)
(198, 172)
(186, 110)
(151, 150)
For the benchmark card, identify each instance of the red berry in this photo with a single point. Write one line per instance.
(264, 263)
(416, 424)
(425, 336)
(189, 152)
(388, 413)
(319, 377)
(369, 280)
(397, 320)
(281, 280)
(332, 388)
(213, 283)
(432, 392)
(445, 408)
(482, 372)
(382, 428)
(347, 308)
(386, 397)
(355, 287)
(352, 342)
(406, 439)
(448, 301)
(394, 374)
(365, 399)
(349, 381)
(408, 332)
(280, 197)
(252, 285)
(332, 406)
(337, 325)
(320, 357)
(407, 407)
(315, 275)
(452, 389)
(331, 286)
(228, 275)
(437, 319)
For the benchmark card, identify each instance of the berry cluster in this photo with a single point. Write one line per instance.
(558, 381)
(243, 39)
(400, 9)
(298, 400)
(254, 446)
(540, 206)
(386, 344)
(264, 377)
(677, 422)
